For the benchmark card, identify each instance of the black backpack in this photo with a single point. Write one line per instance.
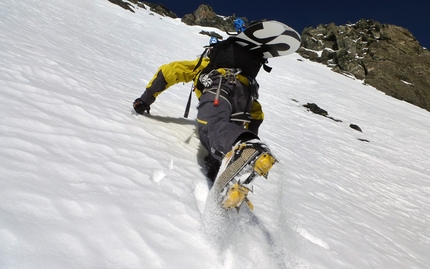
(228, 54)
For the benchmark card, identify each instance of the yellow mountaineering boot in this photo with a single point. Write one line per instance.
(246, 161)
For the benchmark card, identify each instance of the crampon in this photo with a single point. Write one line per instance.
(245, 162)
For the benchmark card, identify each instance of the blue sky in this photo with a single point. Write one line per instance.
(412, 14)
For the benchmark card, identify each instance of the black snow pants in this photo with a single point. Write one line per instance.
(221, 126)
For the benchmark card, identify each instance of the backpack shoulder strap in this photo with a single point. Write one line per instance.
(200, 59)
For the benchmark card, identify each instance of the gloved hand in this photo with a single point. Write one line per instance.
(141, 107)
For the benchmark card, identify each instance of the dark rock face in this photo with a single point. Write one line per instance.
(160, 9)
(124, 5)
(385, 56)
(157, 8)
(205, 16)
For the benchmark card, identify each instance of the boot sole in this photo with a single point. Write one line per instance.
(237, 193)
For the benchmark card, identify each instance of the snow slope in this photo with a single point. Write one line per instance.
(86, 183)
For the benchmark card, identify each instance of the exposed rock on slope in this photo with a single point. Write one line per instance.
(206, 16)
(385, 56)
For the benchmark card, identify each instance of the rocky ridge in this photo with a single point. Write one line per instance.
(385, 56)
(206, 16)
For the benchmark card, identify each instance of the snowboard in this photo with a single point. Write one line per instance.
(271, 38)
(245, 162)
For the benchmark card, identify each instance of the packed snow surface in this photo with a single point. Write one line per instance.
(87, 183)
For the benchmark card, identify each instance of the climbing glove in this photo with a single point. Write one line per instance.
(141, 107)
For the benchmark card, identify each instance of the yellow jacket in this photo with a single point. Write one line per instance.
(183, 71)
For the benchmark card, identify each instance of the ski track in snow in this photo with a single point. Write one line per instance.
(87, 183)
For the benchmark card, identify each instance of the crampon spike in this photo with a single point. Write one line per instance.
(264, 163)
(235, 196)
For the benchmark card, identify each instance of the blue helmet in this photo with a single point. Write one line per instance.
(239, 24)
(213, 40)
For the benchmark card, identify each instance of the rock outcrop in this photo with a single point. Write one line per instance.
(206, 16)
(385, 56)
(124, 5)
(161, 9)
